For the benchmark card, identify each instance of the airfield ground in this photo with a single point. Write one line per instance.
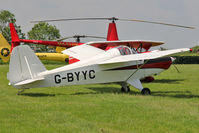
(173, 106)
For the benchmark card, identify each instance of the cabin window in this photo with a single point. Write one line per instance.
(124, 50)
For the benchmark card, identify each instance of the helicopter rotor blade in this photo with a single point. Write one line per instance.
(96, 37)
(160, 23)
(72, 19)
(65, 38)
(115, 19)
(80, 36)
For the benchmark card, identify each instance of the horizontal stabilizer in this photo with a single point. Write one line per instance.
(28, 81)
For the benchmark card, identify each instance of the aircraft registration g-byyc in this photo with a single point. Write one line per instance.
(120, 65)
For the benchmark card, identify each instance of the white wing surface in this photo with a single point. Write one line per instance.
(143, 56)
(83, 52)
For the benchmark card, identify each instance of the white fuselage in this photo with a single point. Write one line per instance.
(90, 72)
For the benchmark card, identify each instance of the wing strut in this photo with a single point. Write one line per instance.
(138, 68)
(136, 82)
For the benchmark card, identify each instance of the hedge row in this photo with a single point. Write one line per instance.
(187, 60)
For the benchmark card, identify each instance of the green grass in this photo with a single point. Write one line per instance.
(173, 106)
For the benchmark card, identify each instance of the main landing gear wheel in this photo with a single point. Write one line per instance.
(127, 89)
(146, 91)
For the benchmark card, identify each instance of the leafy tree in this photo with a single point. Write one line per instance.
(195, 49)
(43, 31)
(7, 17)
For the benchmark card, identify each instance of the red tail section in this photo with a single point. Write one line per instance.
(14, 36)
(112, 32)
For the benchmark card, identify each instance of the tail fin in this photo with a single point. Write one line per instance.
(14, 36)
(4, 49)
(112, 32)
(24, 66)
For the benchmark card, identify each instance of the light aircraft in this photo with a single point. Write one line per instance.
(121, 65)
(139, 45)
(5, 49)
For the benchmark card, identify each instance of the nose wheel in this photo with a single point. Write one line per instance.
(146, 91)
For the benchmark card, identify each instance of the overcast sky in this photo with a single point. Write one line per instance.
(182, 12)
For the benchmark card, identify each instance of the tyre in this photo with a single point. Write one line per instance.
(146, 91)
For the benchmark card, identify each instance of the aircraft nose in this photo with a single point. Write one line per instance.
(173, 59)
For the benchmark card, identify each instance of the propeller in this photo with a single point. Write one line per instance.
(113, 19)
(77, 37)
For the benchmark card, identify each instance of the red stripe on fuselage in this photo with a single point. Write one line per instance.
(161, 63)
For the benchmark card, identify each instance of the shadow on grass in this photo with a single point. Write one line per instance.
(174, 81)
(103, 90)
(37, 95)
(175, 94)
(115, 90)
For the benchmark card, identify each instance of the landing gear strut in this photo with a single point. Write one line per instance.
(145, 91)
(125, 87)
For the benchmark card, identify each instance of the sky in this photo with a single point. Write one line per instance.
(182, 12)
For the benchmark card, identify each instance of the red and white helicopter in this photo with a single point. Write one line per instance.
(112, 35)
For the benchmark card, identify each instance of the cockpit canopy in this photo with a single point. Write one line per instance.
(124, 50)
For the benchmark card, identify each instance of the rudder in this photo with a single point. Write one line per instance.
(24, 65)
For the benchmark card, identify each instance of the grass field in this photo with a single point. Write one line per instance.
(173, 106)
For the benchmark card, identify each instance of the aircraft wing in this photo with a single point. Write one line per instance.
(143, 56)
(131, 43)
(83, 52)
